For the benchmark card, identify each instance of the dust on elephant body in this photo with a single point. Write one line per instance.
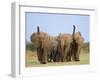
(41, 42)
(45, 45)
(61, 48)
(64, 41)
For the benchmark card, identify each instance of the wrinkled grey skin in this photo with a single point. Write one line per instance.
(64, 41)
(79, 40)
(52, 57)
(59, 49)
(42, 43)
(75, 46)
(46, 46)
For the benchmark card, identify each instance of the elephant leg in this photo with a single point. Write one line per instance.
(67, 53)
(75, 51)
(54, 56)
(68, 58)
(49, 57)
(76, 56)
(44, 57)
(39, 54)
(57, 57)
(63, 57)
(78, 53)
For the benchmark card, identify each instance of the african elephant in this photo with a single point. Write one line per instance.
(53, 56)
(55, 52)
(75, 46)
(46, 46)
(42, 42)
(64, 41)
(79, 40)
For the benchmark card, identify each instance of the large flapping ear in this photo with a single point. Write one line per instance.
(38, 30)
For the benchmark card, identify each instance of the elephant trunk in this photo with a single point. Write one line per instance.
(73, 36)
(38, 30)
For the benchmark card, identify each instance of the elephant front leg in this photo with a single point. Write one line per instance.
(45, 57)
(67, 54)
(39, 54)
(77, 57)
(68, 57)
(64, 57)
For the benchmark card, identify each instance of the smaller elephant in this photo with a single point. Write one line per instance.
(53, 56)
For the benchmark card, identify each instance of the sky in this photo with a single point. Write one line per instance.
(57, 23)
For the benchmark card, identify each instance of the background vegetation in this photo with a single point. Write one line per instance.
(85, 47)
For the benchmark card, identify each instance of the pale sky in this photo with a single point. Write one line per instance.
(57, 23)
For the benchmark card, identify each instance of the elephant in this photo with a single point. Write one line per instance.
(41, 41)
(75, 46)
(57, 49)
(46, 46)
(53, 56)
(79, 40)
(64, 41)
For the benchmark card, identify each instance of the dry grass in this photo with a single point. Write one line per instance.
(32, 61)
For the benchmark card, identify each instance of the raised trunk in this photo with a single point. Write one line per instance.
(73, 36)
(38, 30)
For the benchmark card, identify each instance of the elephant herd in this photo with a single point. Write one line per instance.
(62, 48)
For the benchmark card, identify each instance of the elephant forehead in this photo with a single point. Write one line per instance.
(66, 38)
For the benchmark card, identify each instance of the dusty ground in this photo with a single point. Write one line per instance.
(32, 61)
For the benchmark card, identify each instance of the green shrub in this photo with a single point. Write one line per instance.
(86, 47)
(30, 46)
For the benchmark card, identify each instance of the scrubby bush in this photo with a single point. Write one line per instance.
(86, 47)
(30, 46)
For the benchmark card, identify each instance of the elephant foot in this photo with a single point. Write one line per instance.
(77, 60)
(68, 60)
(43, 62)
(63, 60)
(49, 61)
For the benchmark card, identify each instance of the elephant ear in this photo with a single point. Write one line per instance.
(34, 39)
(79, 38)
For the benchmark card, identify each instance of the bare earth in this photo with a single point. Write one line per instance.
(32, 61)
